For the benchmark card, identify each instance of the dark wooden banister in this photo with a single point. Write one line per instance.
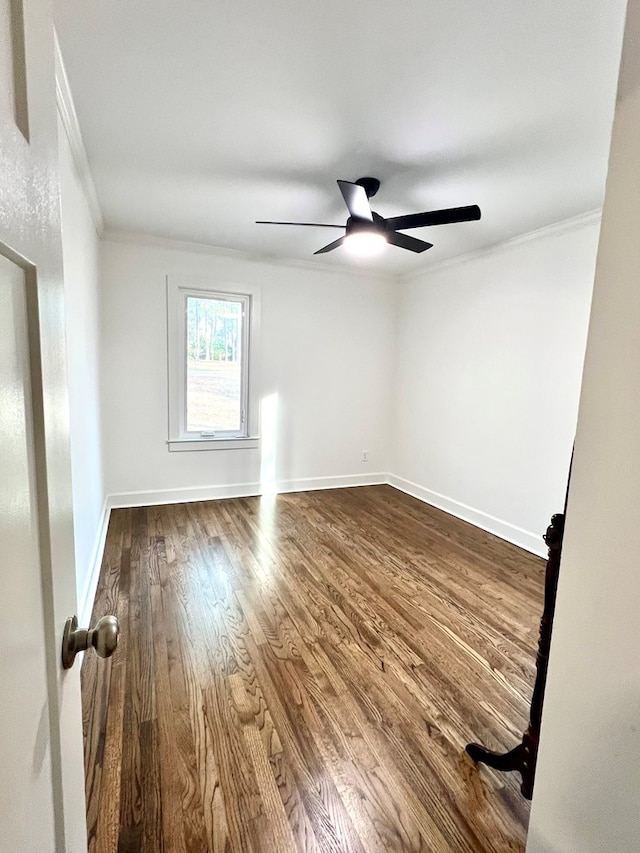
(523, 757)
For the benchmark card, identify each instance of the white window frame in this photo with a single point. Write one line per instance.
(179, 289)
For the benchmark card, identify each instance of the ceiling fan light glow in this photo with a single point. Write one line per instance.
(365, 244)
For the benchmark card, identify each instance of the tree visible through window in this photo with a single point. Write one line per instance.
(215, 397)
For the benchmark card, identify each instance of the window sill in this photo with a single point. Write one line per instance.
(181, 445)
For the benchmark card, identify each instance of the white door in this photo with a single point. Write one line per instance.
(41, 772)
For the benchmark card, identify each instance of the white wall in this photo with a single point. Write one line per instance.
(587, 793)
(326, 352)
(488, 370)
(463, 381)
(80, 246)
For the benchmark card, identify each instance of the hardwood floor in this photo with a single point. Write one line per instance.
(302, 673)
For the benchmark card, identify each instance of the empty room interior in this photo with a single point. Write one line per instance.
(328, 283)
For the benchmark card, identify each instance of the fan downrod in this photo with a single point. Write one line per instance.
(370, 185)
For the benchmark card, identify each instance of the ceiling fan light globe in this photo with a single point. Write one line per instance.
(365, 244)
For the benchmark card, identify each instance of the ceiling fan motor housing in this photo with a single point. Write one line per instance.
(370, 185)
(355, 224)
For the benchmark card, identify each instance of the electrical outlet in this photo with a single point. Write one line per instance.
(365, 456)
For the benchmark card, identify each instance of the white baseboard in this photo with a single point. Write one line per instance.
(88, 594)
(511, 533)
(240, 490)
(516, 535)
(523, 538)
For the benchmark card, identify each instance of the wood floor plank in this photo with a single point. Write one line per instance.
(301, 672)
(107, 828)
(130, 839)
(152, 838)
(169, 764)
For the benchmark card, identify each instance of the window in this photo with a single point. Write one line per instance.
(216, 385)
(210, 342)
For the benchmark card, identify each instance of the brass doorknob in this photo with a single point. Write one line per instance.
(103, 637)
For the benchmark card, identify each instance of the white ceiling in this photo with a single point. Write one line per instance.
(200, 116)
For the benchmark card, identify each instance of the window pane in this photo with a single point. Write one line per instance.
(214, 365)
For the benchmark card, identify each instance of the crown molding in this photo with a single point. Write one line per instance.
(565, 226)
(68, 115)
(69, 118)
(141, 238)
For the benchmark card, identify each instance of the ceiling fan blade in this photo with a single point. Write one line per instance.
(434, 217)
(314, 224)
(330, 247)
(356, 200)
(407, 242)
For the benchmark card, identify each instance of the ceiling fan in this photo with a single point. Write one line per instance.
(366, 232)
